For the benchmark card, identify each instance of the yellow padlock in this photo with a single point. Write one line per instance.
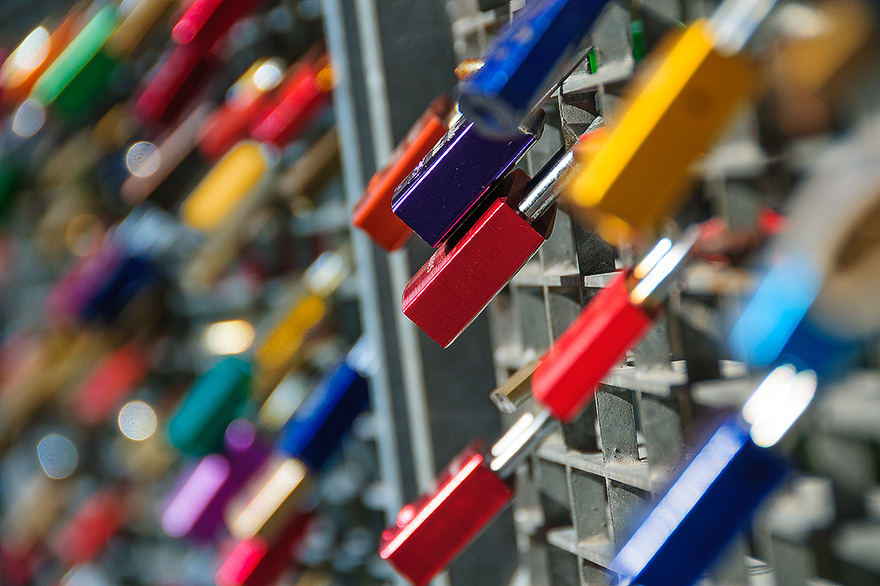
(243, 169)
(639, 174)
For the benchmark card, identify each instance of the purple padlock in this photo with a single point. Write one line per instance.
(194, 509)
(453, 178)
(82, 282)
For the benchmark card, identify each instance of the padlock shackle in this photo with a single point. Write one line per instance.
(548, 183)
(735, 21)
(520, 441)
(656, 273)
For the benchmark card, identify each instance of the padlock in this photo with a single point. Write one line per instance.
(138, 20)
(269, 499)
(298, 103)
(258, 562)
(245, 99)
(213, 402)
(306, 179)
(81, 283)
(613, 322)
(456, 175)
(132, 277)
(195, 507)
(818, 62)
(373, 214)
(109, 383)
(475, 487)
(316, 428)
(75, 102)
(525, 62)
(720, 488)
(91, 527)
(687, 96)
(76, 57)
(301, 311)
(468, 270)
(206, 21)
(22, 69)
(246, 168)
(819, 271)
(312, 434)
(173, 83)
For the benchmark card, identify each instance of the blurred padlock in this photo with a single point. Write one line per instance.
(229, 123)
(91, 527)
(720, 488)
(109, 383)
(525, 62)
(298, 103)
(195, 507)
(684, 99)
(213, 402)
(258, 562)
(27, 63)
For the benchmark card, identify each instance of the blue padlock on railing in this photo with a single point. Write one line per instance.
(317, 427)
(525, 62)
(719, 490)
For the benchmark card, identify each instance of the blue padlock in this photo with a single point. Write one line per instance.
(317, 427)
(702, 512)
(525, 62)
(133, 275)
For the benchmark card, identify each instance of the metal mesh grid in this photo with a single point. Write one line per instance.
(586, 487)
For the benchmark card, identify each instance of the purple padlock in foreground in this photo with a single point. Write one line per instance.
(453, 178)
(195, 508)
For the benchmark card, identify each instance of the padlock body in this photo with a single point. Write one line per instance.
(178, 79)
(569, 373)
(373, 212)
(286, 338)
(299, 103)
(213, 402)
(237, 174)
(702, 512)
(639, 174)
(317, 427)
(109, 383)
(524, 62)
(429, 534)
(258, 562)
(453, 178)
(194, 509)
(205, 21)
(465, 273)
(76, 56)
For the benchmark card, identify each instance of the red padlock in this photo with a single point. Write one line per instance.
(179, 78)
(474, 488)
(244, 101)
(90, 529)
(612, 323)
(109, 383)
(469, 269)
(205, 21)
(256, 562)
(298, 103)
(373, 212)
